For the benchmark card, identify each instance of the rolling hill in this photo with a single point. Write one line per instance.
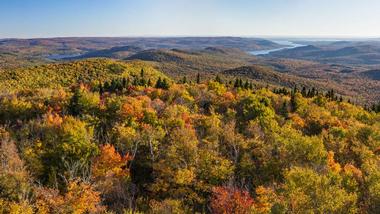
(347, 80)
(25, 52)
(56, 75)
(114, 52)
(265, 75)
(207, 61)
(181, 144)
(338, 65)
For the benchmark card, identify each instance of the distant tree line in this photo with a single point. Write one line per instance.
(375, 107)
(120, 84)
(237, 83)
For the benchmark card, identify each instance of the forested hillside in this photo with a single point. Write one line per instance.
(357, 82)
(21, 52)
(58, 75)
(100, 136)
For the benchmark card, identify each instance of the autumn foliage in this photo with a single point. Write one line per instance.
(110, 163)
(116, 144)
(231, 200)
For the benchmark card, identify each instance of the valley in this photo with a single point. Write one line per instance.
(152, 125)
(348, 67)
(189, 107)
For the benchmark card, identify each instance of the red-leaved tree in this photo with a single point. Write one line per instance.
(231, 200)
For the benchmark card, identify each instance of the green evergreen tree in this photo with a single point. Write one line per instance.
(101, 89)
(236, 85)
(218, 79)
(158, 83)
(142, 73)
(295, 89)
(331, 94)
(74, 106)
(293, 102)
(377, 110)
(246, 84)
(124, 82)
(106, 86)
(119, 85)
(284, 109)
(113, 86)
(303, 92)
(313, 92)
(143, 82)
(165, 84)
(135, 82)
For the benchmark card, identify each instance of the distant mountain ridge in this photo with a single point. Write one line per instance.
(45, 50)
(337, 52)
(177, 55)
(114, 52)
(157, 56)
(99, 43)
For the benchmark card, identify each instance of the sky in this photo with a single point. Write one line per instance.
(249, 18)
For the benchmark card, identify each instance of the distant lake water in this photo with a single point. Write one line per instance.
(288, 44)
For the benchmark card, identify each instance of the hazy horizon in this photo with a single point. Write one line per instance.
(277, 37)
(189, 18)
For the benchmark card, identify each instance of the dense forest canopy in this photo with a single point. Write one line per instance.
(100, 136)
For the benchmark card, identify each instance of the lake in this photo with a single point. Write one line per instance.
(288, 45)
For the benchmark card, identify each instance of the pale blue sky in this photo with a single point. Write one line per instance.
(52, 18)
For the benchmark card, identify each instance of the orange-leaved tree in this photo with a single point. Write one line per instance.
(111, 176)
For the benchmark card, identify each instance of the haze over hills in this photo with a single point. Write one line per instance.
(117, 52)
(187, 117)
(180, 107)
(97, 43)
(15, 52)
(338, 65)
(341, 52)
(210, 61)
